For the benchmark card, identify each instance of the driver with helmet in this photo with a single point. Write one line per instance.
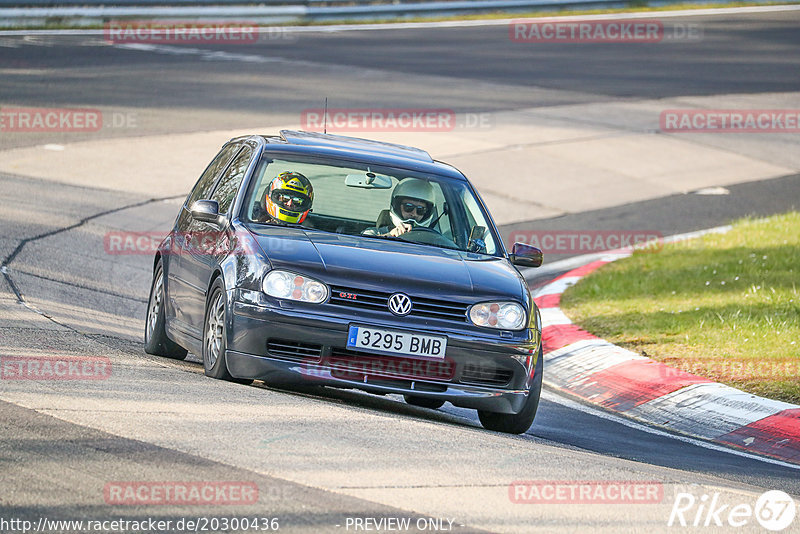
(288, 199)
(411, 205)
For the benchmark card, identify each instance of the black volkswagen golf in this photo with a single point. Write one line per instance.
(349, 263)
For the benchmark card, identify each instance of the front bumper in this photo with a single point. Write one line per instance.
(287, 345)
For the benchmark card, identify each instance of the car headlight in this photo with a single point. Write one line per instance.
(287, 285)
(503, 315)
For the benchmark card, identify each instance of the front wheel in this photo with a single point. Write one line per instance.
(155, 332)
(215, 340)
(519, 422)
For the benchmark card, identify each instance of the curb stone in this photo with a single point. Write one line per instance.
(596, 371)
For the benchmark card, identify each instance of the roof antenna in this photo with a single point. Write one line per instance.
(325, 123)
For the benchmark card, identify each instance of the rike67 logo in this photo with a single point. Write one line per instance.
(773, 510)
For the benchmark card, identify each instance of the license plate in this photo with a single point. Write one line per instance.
(396, 342)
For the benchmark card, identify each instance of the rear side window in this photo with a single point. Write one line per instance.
(203, 187)
(229, 183)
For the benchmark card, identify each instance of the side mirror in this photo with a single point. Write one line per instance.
(526, 255)
(205, 211)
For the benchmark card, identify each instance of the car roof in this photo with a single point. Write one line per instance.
(354, 148)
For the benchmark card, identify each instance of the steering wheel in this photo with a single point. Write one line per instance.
(427, 236)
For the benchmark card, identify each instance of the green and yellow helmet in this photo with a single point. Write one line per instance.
(289, 197)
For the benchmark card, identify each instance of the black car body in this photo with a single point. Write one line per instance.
(209, 295)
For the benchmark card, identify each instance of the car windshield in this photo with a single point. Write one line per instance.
(371, 201)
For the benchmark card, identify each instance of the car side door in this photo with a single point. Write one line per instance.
(209, 241)
(179, 290)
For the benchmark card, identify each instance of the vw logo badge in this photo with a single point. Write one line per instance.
(399, 304)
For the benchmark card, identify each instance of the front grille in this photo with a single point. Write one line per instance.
(378, 301)
(485, 374)
(357, 365)
(294, 350)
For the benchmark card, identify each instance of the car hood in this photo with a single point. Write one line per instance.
(388, 265)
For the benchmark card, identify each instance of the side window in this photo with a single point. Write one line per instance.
(229, 183)
(206, 181)
(475, 218)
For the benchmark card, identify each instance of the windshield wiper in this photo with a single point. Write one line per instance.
(273, 222)
(398, 238)
(380, 236)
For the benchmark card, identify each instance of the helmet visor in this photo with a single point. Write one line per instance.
(412, 208)
(290, 200)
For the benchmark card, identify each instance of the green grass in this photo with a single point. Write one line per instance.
(636, 6)
(725, 306)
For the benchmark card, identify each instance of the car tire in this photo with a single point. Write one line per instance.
(520, 422)
(423, 402)
(215, 338)
(155, 332)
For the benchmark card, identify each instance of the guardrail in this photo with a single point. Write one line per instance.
(85, 12)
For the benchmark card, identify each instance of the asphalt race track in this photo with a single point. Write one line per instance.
(321, 458)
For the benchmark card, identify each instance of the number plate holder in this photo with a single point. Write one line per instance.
(400, 343)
